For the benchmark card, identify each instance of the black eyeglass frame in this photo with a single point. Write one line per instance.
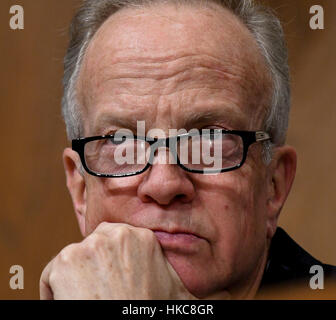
(248, 137)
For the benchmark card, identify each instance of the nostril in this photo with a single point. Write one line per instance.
(147, 199)
(182, 197)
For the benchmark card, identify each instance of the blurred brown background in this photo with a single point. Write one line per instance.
(36, 216)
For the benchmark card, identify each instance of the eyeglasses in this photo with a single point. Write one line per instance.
(210, 151)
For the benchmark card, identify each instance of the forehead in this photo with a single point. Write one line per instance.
(147, 29)
(162, 49)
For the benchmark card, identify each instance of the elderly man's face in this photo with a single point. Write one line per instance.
(181, 68)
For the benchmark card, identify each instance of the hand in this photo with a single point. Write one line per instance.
(116, 261)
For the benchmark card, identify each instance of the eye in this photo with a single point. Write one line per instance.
(115, 140)
(214, 127)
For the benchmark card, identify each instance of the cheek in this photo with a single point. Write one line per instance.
(229, 209)
(229, 197)
(109, 200)
(234, 207)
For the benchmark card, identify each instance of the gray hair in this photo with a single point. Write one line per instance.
(260, 21)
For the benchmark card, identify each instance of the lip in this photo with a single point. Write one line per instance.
(185, 242)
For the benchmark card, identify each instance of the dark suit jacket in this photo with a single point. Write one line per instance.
(289, 263)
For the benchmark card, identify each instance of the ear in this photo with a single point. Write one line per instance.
(283, 168)
(76, 185)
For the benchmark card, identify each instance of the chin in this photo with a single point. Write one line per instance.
(196, 276)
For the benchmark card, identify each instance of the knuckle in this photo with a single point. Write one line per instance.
(148, 235)
(103, 227)
(123, 231)
(68, 253)
(54, 277)
(93, 243)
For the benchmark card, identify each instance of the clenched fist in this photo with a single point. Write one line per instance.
(116, 261)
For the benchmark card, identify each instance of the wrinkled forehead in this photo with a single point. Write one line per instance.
(161, 41)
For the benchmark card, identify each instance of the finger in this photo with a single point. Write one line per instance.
(46, 292)
(108, 227)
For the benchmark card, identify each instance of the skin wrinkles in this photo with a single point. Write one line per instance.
(180, 69)
(233, 81)
(136, 68)
(184, 102)
(214, 113)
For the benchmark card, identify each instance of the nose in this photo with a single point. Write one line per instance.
(165, 183)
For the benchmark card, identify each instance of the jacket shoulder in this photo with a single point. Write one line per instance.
(287, 261)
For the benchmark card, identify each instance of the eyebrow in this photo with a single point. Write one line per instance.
(224, 116)
(229, 117)
(107, 120)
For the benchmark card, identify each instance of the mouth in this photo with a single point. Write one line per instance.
(185, 242)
